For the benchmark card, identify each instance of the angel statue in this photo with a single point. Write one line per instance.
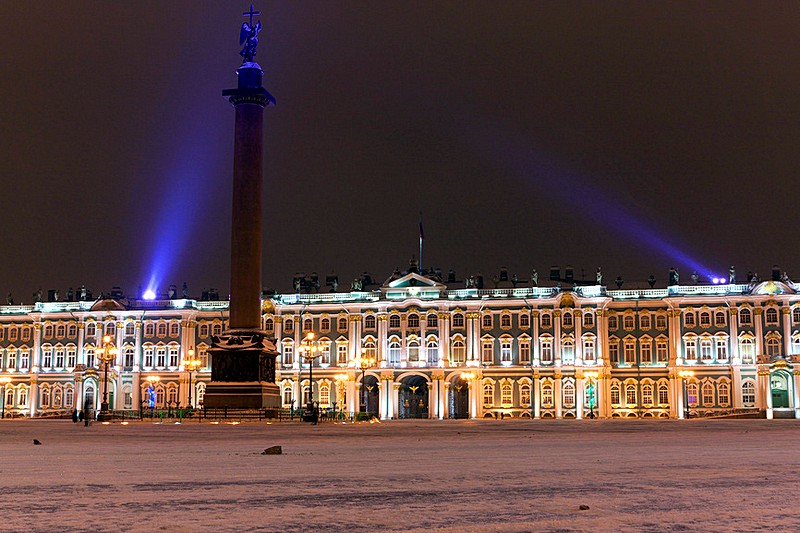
(248, 36)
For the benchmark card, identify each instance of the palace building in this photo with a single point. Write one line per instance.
(420, 346)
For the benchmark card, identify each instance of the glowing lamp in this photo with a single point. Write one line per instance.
(149, 295)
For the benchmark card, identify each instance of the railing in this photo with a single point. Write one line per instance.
(638, 293)
(16, 309)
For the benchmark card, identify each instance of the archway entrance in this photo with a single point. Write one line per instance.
(371, 395)
(458, 399)
(88, 397)
(413, 397)
(779, 384)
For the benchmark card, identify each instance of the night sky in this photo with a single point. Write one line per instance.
(631, 136)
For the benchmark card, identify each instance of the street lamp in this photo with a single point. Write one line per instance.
(685, 375)
(363, 363)
(151, 390)
(309, 351)
(5, 380)
(591, 375)
(106, 354)
(191, 365)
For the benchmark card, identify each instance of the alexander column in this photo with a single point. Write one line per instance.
(243, 358)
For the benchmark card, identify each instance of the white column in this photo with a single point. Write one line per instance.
(81, 354)
(433, 399)
(383, 339)
(557, 346)
(734, 337)
(395, 399)
(557, 394)
(787, 331)
(444, 339)
(577, 319)
(535, 351)
(757, 314)
(796, 392)
(579, 399)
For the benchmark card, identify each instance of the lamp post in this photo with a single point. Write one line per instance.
(309, 351)
(106, 354)
(363, 363)
(685, 375)
(5, 380)
(591, 375)
(191, 365)
(151, 387)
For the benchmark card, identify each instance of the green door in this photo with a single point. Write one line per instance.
(780, 391)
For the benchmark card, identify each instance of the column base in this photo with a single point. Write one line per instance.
(238, 395)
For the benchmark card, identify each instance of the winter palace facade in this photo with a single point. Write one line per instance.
(416, 347)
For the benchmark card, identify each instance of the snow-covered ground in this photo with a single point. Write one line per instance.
(697, 475)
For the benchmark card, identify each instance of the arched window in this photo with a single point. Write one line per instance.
(525, 395)
(588, 350)
(506, 395)
(413, 321)
(129, 356)
(569, 395)
(773, 347)
(161, 329)
(588, 320)
(796, 315)
(647, 395)
(487, 351)
(61, 331)
(288, 324)
(432, 347)
(394, 353)
(488, 395)
(566, 319)
(458, 320)
(486, 321)
(505, 320)
(745, 316)
(613, 322)
(546, 320)
(287, 395)
(771, 316)
(307, 324)
(48, 331)
(413, 351)
(370, 350)
(706, 349)
(72, 331)
(644, 321)
(69, 397)
(458, 354)
(708, 394)
(688, 319)
(324, 394)
(719, 319)
(705, 319)
(91, 329)
(547, 395)
(630, 394)
(216, 328)
(432, 320)
(325, 324)
(746, 350)
(269, 325)
(723, 393)
(568, 352)
(546, 349)
(628, 323)
(111, 329)
(661, 322)
(505, 351)
(748, 393)
(691, 393)
(394, 321)
(287, 357)
(342, 324)
(369, 322)
(663, 394)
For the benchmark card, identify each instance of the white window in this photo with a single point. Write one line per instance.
(148, 356)
(568, 352)
(662, 351)
(433, 351)
(129, 356)
(569, 395)
(488, 395)
(708, 394)
(746, 350)
(59, 362)
(796, 315)
(661, 322)
(173, 356)
(130, 329)
(705, 319)
(566, 319)
(24, 359)
(161, 356)
(524, 321)
(487, 351)
(394, 321)
(748, 393)
(691, 349)
(630, 394)
(691, 393)
(688, 319)
(111, 329)
(370, 350)
(506, 396)
(647, 395)
(505, 351)
(615, 394)
(413, 351)
(588, 350)
(174, 329)
(47, 357)
(771, 316)
(723, 393)
(546, 320)
(719, 319)
(12, 360)
(647, 352)
(149, 329)
(505, 321)
(663, 394)
(722, 348)
(91, 329)
(487, 321)
(369, 322)
(394, 353)
(628, 322)
(644, 321)
(458, 320)
(547, 350)
(706, 351)
(341, 353)
(588, 320)
(288, 353)
(161, 329)
(458, 353)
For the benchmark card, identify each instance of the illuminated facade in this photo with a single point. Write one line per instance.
(439, 352)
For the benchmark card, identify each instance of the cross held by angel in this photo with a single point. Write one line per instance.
(248, 36)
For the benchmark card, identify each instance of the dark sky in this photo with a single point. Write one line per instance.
(632, 136)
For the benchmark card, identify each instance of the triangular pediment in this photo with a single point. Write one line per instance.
(412, 280)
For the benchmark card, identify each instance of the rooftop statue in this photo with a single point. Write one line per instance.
(248, 36)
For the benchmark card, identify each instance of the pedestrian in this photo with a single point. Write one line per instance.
(75, 416)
